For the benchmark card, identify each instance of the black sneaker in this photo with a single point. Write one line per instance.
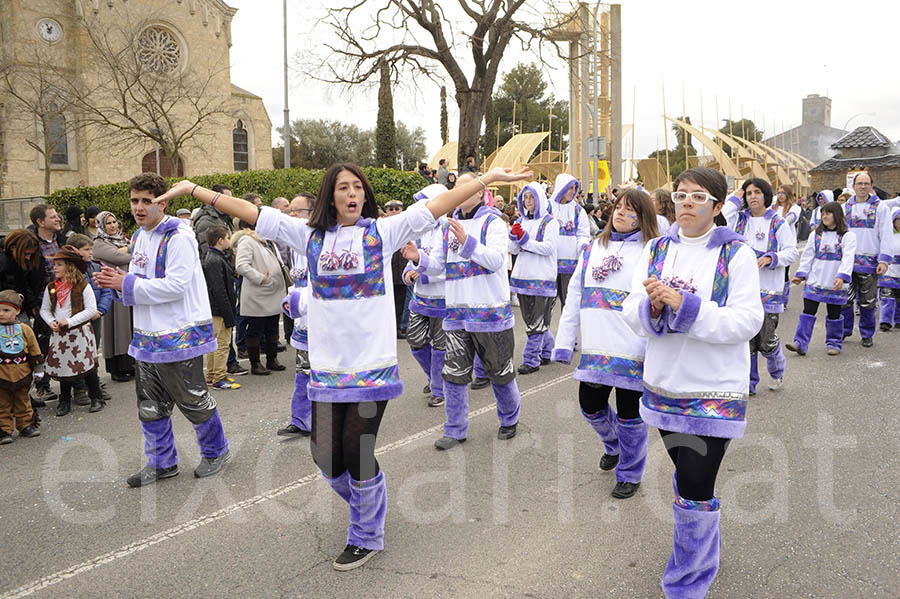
(866, 342)
(625, 490)
(237, 370)
(243, 355)
(210, 466)
(435, 401)
(526, 369)
(63, 407)
(353, 557)
(480, 383)
(427, 390)
(149, 475)
(885, 327)
(96, 405)
(506, 432)
(608, 462)
(292, 430)
(446, 442)
(545, 361)
(5, 438)
(30, 431)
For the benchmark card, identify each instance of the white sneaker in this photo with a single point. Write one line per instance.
(514, 300)
(776, 384)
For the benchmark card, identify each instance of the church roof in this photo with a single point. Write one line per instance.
(862, 137)
(841, 164)
(240, 91)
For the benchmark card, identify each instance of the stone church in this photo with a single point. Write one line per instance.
(172, 37)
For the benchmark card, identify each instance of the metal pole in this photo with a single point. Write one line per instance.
(595, 155)
(157, 158)
(615, 130)
(287, 112)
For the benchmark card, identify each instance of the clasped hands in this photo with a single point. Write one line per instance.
(661, 295)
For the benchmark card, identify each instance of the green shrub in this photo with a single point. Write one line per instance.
(389, 184)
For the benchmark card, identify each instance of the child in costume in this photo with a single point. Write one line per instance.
(826, 265)
(612, 355)
(889, 282)
(534, 238)
(787, 208)
(775, 244)
(20, 360)
(695, 296)
(352, 329)
(574, 229)
(823, 197)
(296, 306)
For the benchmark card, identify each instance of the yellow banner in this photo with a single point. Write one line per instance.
(604, 176)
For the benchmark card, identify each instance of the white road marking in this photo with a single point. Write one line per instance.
(169, 534)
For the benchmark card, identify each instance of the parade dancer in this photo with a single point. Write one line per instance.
(889, 282)
(479, 319)
(425, 330)
(775, 244)
(612, 355)
(534, 238)
(172, 331)
(695, 296)
(787, 208)
(574, 230)
(826, 265)
(351, 326)
(823, 197)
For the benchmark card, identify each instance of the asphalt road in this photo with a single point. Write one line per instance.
(809, 498)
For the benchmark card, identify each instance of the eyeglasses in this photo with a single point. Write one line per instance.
(298, 211)
(697, 197)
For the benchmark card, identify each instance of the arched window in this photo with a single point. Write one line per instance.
(57, 144)
(241, 147)
(148, 164)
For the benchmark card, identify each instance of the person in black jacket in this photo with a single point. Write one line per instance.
(219, 274)
(21, 269)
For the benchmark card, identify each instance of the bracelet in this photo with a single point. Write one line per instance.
(194, 188)
(215, 197)
(483, 184)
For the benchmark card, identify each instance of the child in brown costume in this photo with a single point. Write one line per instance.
(20, 357)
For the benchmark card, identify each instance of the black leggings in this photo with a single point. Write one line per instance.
(697, 460)
(343, 437)
(92, 381)
(594, 398)
(810, 307)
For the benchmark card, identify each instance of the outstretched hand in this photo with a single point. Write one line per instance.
(505, 175)
(182, 188)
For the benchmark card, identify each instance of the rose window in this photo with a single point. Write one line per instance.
(158, 50)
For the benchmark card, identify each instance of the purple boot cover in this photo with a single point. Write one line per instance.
(604, 422)
(849, 317)
(211, 437)
(695, 549)
(787, 293)
(803, 334)
(775, 362)
(301, 407)
(532, 354)
(436, 381)
(368, 507)
(834, 333)
(456, 404)
(423, 357)
(888, 310)
(478, 368)
(508, 401)
(159, 443)
(754, 372)
(867, 322)
(547, 345)
(340, 484)
(633, 449)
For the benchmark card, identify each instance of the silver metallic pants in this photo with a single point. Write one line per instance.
(863, 287)
(302, 362)
(426, 330)
(494, 349)
(160, 387)
(537, 311)
(766, 340)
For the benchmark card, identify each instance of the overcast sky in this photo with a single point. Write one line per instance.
(764, 56)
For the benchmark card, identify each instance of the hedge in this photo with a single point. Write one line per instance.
(389, 184)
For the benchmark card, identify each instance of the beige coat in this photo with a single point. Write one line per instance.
(263, 287)
(117, 326)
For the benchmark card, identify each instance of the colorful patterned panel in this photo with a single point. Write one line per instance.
(865, 260)
(566, 266)
(369, 283)
(633, 369)
(464, 270)
(771, 298)
(188, 337)
(826, 294)
(603, 298)
(533, 285)
(463, 314)
(436, 303)
(696, 407)
(367, 378)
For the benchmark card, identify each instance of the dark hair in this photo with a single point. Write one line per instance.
(310, 198)
(324, 214)
(871, 178)
(788, 194)
(149, 182)
(641, 203)
(667, 206)
(20, 241)
(79, 240)
(708, 178)
(442, 161)
(763, 186)
(220, 188)
(39, 212)
(214, 233)
(252, 197)
(837, 213)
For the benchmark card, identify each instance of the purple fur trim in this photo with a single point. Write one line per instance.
(687, 314)
(211, 437)
(423, 263)
(355, 395)
(468, 247)
(525, 238)
(844, 278)
(429, 311)
(773, 308)
(128, 289)
(159, 443)
(672, 233)
(710, 427)
(424, 279)
(562, 355)
(736, 201)
(658, 330)
(802, 275)
(885, 258)
(539, 292)
(774, 257)
(294, 304)
(605, 378)
(368, 507)
(340, 484)
(722, 235)
(177, 355)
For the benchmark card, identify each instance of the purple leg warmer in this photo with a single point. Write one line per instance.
(547, 345)
(834, 333)
(849, 317)
(803, 334)
(423, 357)
(368, 507)
(340, 484)
(532, 354)
(159, 443)
(633, 446)
(604, 422)
(787, 293)
(888, 310)
(754, 372)
(478, 368)
(867, 320)
(775, 362)
(695, 550)
(301, 407)
(508, 401)
(211, 437)
(456, 405)
(435, 379)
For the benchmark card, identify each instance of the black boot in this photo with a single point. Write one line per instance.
(256, 366)
(97, 404)
(272, 356)
(64, 406)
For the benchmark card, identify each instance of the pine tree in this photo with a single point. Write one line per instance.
(444, 128)
(385, 139)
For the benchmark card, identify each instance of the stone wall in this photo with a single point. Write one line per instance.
(887, 179)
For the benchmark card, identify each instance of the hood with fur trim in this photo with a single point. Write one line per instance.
(564, 182)
(430, 192)
(541, 204)
(824, 196)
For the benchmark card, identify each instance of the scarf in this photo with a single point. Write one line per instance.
(63, 290)
(118, 240)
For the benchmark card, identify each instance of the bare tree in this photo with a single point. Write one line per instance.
(425, 40)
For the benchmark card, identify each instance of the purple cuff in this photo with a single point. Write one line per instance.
(423, 279)
(293, 301)
(684, 319)
(693, 425)
(774, 258)
(468, 247)
(128, 289)
(524, 239)
(562, 355)
(843, 277)
(409, 267)
(423, 263)
(887, 259)
(167, 357)
(802, 275)
(657, 329)
(738, 202)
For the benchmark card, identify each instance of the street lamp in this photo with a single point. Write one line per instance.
(856, 115)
